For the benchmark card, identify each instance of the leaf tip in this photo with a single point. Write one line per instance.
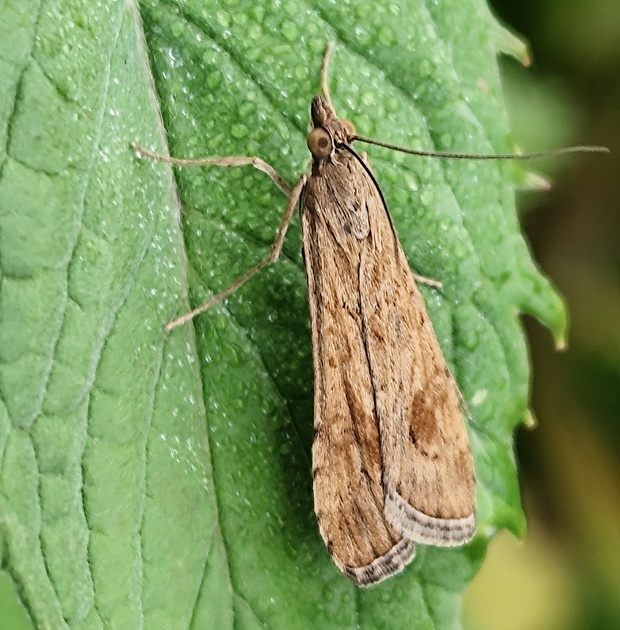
(560, 329)
(560, 342)
(534, 181)
(530, 420)
(510, 44)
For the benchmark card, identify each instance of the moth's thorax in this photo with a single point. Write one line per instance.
(329, 130)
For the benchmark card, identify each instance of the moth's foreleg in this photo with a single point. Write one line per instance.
(293, 195)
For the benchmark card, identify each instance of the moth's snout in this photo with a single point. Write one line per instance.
(320, 111)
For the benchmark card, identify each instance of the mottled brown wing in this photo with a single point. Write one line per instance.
(346, 453)
(428, 468)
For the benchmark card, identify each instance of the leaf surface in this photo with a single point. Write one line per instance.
(163, 481)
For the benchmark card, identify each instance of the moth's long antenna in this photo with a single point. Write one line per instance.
(496, 156)
(324, 69)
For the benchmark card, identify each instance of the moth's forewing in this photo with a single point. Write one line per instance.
(347, 463)
(428, 471)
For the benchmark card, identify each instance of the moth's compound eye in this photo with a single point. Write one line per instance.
(319, 143)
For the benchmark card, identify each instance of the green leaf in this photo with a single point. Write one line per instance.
(163, 480)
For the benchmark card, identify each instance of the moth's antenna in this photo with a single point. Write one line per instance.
(496, 156)
(324, 68)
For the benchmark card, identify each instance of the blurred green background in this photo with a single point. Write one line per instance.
(566, 574)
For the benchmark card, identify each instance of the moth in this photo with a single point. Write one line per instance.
(391, 459)
(392, 464)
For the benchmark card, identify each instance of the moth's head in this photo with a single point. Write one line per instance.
(329, 130)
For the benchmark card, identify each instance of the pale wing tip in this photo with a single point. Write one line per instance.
(427, 530)
(391, 563)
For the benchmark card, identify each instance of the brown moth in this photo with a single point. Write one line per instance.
(391, 461)
(391, 458)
